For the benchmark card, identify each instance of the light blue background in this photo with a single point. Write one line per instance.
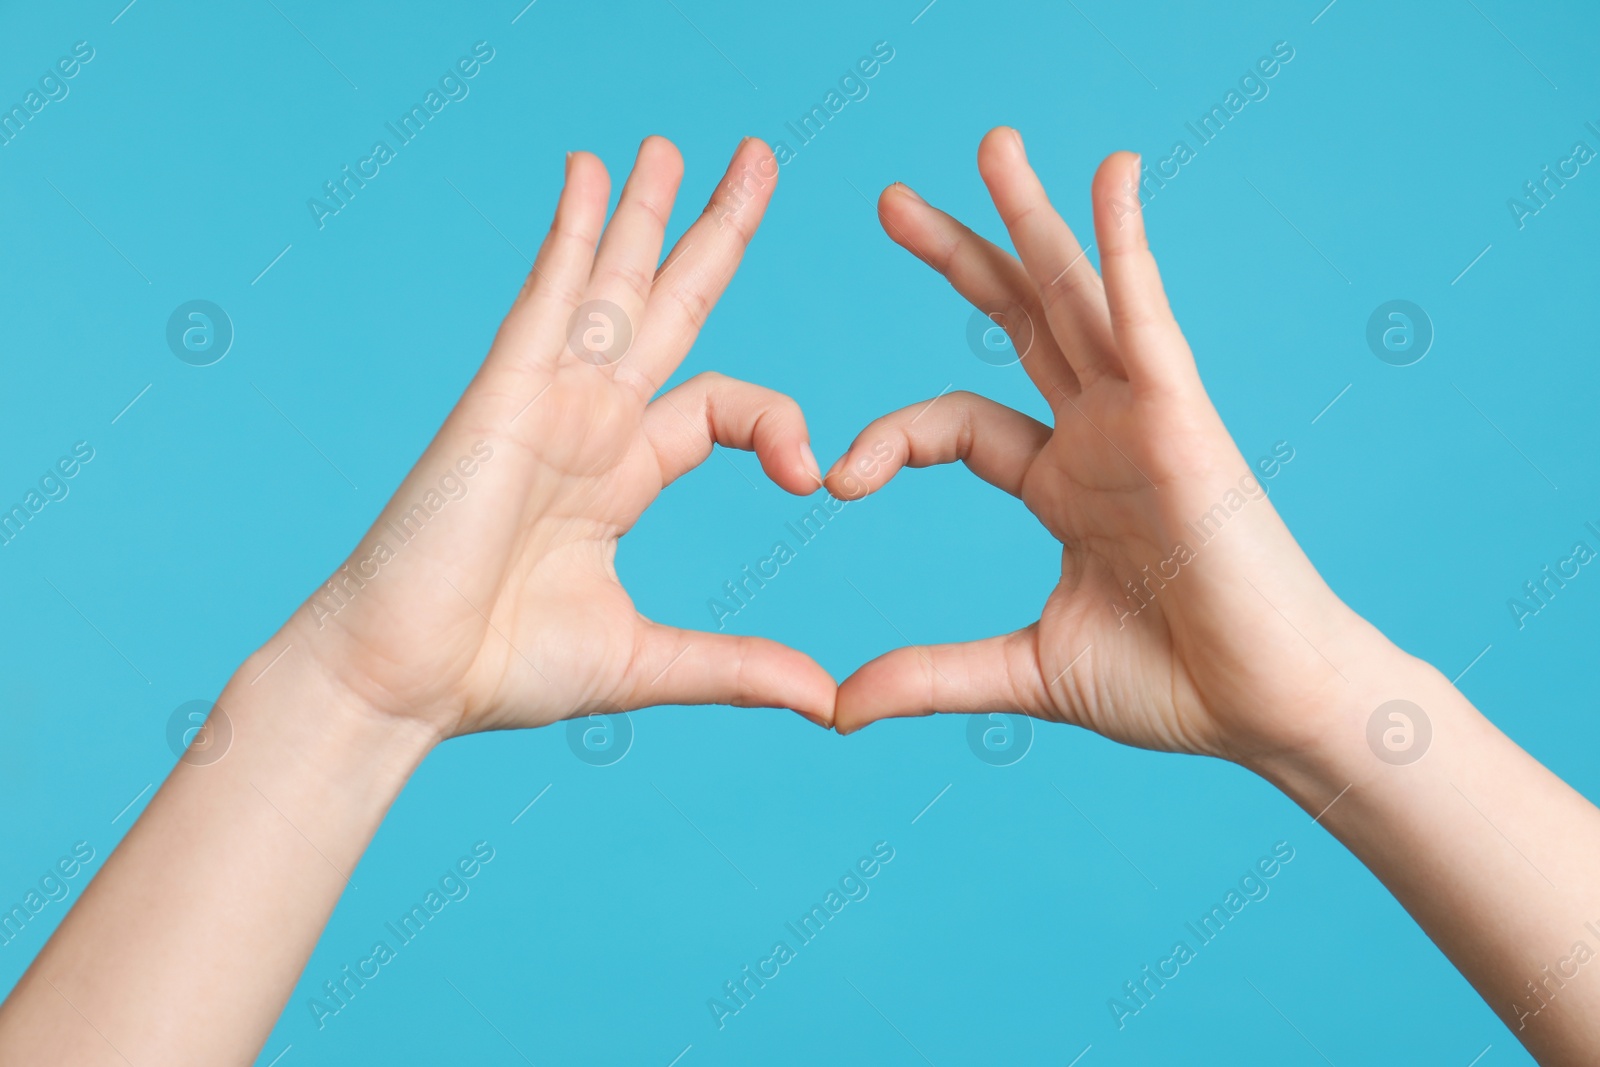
(1007, 919)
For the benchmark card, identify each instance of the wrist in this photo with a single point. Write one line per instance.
(1384, 717)
(282, 703)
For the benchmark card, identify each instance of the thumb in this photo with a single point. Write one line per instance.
(994, 674)
(673, 666)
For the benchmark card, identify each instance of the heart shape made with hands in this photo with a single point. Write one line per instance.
(511, 614)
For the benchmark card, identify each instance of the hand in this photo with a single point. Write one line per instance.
(1186, 617)
(485, 596)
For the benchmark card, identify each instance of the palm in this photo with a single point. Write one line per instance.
(1137, 641)
(559, 604)
(1126, 681)
(505, 609)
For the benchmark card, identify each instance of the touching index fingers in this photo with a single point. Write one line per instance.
(701, 264)
(997, 443)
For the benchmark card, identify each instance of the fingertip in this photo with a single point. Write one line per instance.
(742, 672)
(821, 702)
(897, 192)
(818, 712)
(848, 719)
(999, 141)
(843, 484)
(1116, 172)
(898, 208)
(797, 473)
(746, 187)
(808, 462)
(1000, 148)
(791, 474)
(657, 142)
(887, 199)
(659, 151)
(758, 148)
(866, 468)
(858, 703)
(756, 166)
(588, 184)
(783, 445)
(830, 480)
(584, 167)
(1118, 208)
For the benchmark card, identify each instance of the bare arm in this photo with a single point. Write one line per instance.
(218, 894)
(1187, 619)
(1495, 857)
(483, 598)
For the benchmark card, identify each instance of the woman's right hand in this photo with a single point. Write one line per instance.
(486, 596)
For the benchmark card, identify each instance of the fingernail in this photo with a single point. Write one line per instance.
(810, 460)
(912, 193)
(838, 464)
(1018, 135)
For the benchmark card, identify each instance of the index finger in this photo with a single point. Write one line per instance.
(701, 264)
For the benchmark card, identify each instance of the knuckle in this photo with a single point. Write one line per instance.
(958, 251)
(652, 210)
(562, 232)
(694, 304)
(1059, 292)
(630, 277)
(1022, 213)
(561, 294)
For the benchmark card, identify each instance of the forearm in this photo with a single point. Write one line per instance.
(187, 944)
(1495, 857)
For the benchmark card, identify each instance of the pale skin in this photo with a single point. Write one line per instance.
(1245, 654)
(506, 612)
